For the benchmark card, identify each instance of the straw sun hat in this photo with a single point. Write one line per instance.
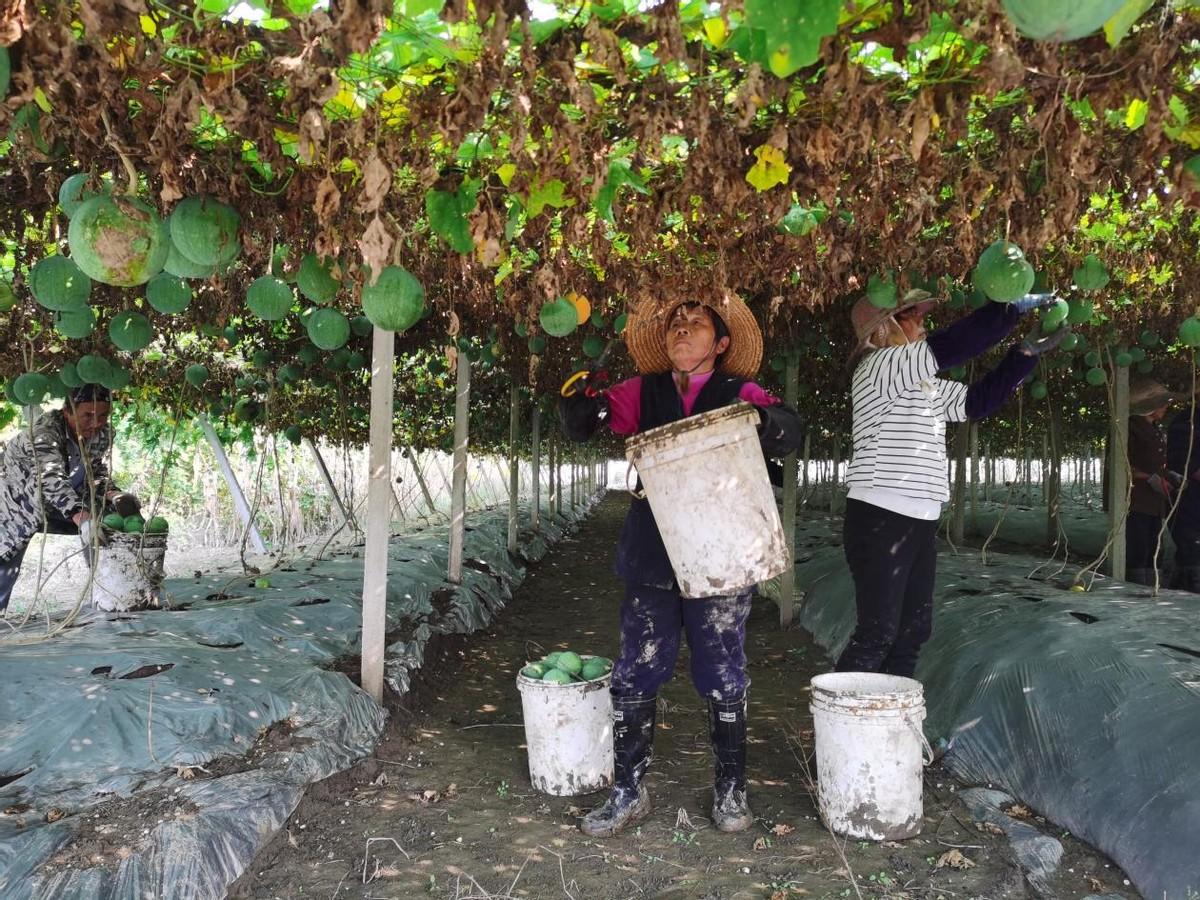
(646, 331)
(866, 317)
(1146, 395)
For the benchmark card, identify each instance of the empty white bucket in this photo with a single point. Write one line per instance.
(568, 734)
(129, 572)
(707, 484)
(869, 754)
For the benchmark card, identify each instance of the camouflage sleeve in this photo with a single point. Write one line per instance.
(98, 460)
(48, 457)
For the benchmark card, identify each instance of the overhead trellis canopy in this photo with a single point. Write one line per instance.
(507, 155)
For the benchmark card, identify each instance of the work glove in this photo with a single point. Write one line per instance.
(1174, 479)
(1160, 486)
(1030, 302)
(91, 534)
(780, 429)
(1037, 344)
(124, 504)
(580, 415)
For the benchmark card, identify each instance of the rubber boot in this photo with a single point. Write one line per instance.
(629, 802)
(1188, 578)
(727, 721)
(1140, 576)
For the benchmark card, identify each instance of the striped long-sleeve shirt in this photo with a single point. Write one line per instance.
(901, 409)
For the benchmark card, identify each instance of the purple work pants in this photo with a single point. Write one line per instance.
(651, 622)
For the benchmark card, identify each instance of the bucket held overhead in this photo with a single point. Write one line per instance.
(707, 483)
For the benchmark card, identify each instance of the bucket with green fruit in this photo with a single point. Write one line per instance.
(568, 722)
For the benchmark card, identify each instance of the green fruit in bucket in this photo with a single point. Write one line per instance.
(556, 676)
(594, 668)
(570, 662)
(157, 525)
(134, 524)
(534, 671)
(114, 522)
(550, 660)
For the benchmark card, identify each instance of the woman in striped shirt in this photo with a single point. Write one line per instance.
(897, 476)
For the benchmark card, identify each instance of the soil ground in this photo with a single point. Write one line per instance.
(445, 809)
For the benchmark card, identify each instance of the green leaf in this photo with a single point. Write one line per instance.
(448, 214)
(799, 221)
(549, 193)
(1123, 19)
(1135, 115)
(603, 203)
(793, 30)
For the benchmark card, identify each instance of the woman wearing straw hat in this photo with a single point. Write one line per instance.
(1152, 483)
(897, 476)
(693, 358)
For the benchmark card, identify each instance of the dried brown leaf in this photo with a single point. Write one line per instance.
(377, 180)
(328, 200)
(376, 248)
(953, 859)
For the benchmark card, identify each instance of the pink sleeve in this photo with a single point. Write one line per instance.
(625, 406)
(752, 393)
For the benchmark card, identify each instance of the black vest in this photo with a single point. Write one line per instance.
(641, 556)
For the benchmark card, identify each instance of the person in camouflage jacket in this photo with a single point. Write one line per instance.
(46, 482)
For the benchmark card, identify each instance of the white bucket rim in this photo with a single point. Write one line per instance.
(841, 690)
(524, 681)
(686, 426)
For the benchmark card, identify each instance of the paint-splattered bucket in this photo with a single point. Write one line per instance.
(869, 754)
(129, 572)
(707, 484)
(568, 735)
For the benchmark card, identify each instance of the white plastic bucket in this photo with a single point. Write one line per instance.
(707, 484)
(568, 733)
(129, 572)
(869, 754)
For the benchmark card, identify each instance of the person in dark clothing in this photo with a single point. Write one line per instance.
(897, 476)
(1153, 483)
(1183, 457)
(693, 358)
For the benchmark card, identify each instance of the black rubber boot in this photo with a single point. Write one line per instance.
(727, 722)
(1141, 576)
(629, 802)
(1187, 578)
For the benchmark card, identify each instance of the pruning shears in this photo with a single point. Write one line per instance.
(595, 378)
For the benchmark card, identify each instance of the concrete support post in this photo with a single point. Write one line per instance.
(787, 581)
(535, 512)
(1118, 472)
(347, 516)
(514, 464)
(379, 503)
(458, 487)
(235, 489)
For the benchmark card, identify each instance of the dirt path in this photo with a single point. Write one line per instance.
(445, 808)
